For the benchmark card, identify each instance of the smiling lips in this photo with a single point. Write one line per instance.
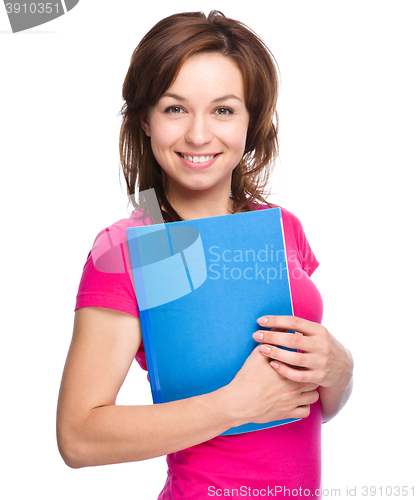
(198, 161)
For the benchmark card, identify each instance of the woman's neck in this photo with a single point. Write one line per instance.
(198, 204)
(199, 210)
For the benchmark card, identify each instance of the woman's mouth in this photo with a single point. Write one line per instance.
(198, 158)
(196, 161)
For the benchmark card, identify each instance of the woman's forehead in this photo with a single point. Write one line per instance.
(210, 74)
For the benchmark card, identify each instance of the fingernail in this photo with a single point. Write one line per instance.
(265, 349)
(258, 336)
(275, 365)
(262, 320)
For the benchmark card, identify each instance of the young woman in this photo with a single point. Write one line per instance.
(199, 128)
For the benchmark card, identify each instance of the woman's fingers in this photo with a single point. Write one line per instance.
(297, 375)
(263, 395)
(290, 323)
(315, 355)
(285, 356)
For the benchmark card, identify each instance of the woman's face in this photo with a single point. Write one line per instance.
(199, 126)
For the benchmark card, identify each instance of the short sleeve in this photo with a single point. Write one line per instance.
(306, 257)
(105, 280)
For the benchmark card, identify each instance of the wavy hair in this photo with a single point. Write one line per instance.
(155, 65)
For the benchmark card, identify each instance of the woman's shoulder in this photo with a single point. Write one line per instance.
(110, 246)
(116, 233)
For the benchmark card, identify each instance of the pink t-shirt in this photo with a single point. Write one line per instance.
(278, 462)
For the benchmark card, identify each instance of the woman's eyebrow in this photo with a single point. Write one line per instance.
(219, 99)
(226, 98)
(174, 96)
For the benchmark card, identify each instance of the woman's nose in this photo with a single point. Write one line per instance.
(198, 131)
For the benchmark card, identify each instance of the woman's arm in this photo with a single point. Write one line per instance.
(321, 358)
(92, 430)
(333, 399)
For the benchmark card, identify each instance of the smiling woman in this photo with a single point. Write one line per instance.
(207, 77)
(199, 127)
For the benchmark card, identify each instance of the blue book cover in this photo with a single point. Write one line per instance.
(200, 286)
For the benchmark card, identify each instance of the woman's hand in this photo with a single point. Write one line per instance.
(320, 359)
(258, 394)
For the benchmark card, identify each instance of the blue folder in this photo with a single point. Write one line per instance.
(201, 285)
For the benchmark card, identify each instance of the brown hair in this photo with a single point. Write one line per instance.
(155, 65)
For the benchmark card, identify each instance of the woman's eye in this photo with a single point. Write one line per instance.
(173, 110)
(224, 111)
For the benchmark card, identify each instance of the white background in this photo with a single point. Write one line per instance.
(348, 131)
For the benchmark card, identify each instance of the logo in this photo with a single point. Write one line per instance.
(25, 14)
(164, 262)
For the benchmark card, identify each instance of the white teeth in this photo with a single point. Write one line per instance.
(198, 159)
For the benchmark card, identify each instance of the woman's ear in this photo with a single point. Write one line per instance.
(145, 126)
